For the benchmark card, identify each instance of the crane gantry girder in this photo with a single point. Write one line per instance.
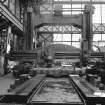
(97, 28)
(49, 19)
(57, 55)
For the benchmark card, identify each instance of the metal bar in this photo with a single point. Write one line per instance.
(67, 41)
(10, 16)
(51, 24)
(59, 32)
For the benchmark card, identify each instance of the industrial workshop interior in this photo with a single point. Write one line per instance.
(52, 52)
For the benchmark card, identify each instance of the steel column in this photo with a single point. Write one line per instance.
(29, 31)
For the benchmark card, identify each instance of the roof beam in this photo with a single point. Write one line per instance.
(78, 2)
(5, 12)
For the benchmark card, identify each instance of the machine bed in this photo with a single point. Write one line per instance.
(44, 89)
(56, 90)
(39, 89)
(88, 90)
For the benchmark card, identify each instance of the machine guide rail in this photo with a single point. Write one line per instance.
(87, 90)
(56, 91)
(42, 89)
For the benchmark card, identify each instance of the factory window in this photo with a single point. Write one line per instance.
(76, 44)
(67, 6)
(72, 9)
(62, 37)
(76, 37)
(57, 37)
(99, 17)
(103, 37)
(96, 37)
(103, 13)
(99, 39)
(68, 39)
(97, 14)
(101, 44)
